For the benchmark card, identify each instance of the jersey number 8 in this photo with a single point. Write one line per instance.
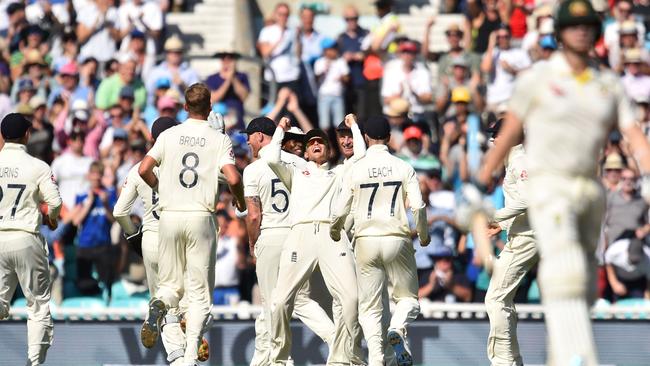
(189, 168)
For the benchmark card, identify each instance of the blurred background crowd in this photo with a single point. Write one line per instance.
(93, 75)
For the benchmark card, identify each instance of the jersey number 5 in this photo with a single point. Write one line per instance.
(375, 186)
(21, 188)
(279, 191)
(189, 168)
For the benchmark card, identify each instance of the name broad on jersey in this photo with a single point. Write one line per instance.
(383, 171)
(192, 141)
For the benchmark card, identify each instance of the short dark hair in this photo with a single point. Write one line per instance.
(197, 99)
(96, 165)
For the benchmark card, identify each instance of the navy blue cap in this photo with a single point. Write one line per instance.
(160, 125)
(264, 125)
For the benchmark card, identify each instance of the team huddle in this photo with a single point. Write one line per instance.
(347, 221)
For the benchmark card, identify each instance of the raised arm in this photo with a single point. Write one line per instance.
(271, 155)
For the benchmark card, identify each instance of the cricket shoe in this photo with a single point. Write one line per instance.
(402, 352)
(151, 326)
(203, 353)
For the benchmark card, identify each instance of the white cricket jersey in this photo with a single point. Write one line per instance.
(25, 182)
(567, 117)
(190, 157)
(513, 217)
(260, 181)
(134, 186)
(377, 190)
(312, 187)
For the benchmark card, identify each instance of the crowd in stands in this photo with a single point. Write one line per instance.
(93, 75)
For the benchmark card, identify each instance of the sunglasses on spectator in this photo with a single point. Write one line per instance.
(283, 13)
(629, 179)
(503, 36)
(351, 19)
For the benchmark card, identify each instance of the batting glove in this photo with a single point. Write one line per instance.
(645, 187)
(241, 214)
(472, 202)
(135, 240)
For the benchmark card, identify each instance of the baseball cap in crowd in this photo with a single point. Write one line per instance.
(632, 56)
(37, 101)
(628, 27)
(25, 109)
(408, 46)
(317, 133)
(25, 84)
(166, 102)
(548, 42)
(69, 69)
(81, 115)
(614, 161)
(14, 126)
(160, 125)
(398, 107)
(412, 132)
(120, 134)
(136, 33)
(127, 92)
(174, 44)
(377, 127)
(227, 53)
(460, 94)
(163, 83)
(459, 61)
(327, 43)
(454, 29)
(260, 124)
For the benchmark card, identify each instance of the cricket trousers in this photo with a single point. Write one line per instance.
(380, 259)
(23, 260)
(566, 214)
(172, 335)
(267, 251)
(307, 246)
(516, 259)
(186, 263)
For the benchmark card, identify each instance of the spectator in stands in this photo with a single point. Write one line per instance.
(458, 77)
(42, 132)
(481, 20)
(612, 169)
(34, 67)
(88, 73)
(349, 43)
(181, 74)
(17, 22)
(97, 30)
(628, 39)
(277, 45)
(68, 81)
(456, 52)
(229, 86)
(310, 47)
(32, 39)
(137, 46)
(93, 214)
(635, 82)
(143, 17)
(109, 89)
(404, 78)
(627, 262)
(226, 284)
(378, 45)
(70, 170)
(626, 210)
(332, 72)
(641, 11)
(24, 91)
(622, 14)
(502, 63)
(547, 45)
(414, 151)
(543, 18)
(69, 51)
(444, 285)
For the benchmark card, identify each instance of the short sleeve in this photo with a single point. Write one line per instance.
(250, 184)
(266, 35)
(227, 155)
(343, 67)
(523, 96)
(421, 82)
(319, 66)
(390, 87)
(157, 150)
(87, 16)
(79, 198)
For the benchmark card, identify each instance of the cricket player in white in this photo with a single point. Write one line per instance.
(568, 107)
(378, 189)
(25, 182)
(313, 188)
(267, 201)
(514, 261)
(146, 236)
(190, 156)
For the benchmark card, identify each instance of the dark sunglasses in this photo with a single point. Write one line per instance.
(349, 19)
